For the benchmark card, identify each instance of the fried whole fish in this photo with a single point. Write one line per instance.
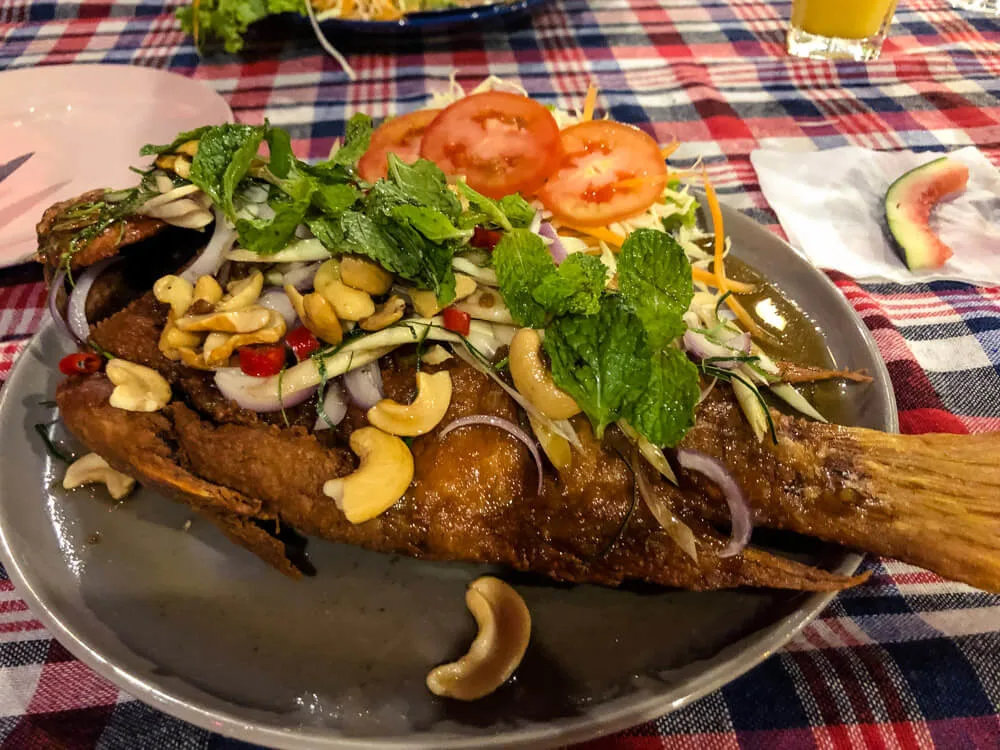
(473, 496)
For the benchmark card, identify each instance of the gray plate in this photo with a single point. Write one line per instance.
(201, 629)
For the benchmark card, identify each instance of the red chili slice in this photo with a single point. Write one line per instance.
(80, 363)
(457, 320)
(262, 361)
(486, 239)
(302, 342)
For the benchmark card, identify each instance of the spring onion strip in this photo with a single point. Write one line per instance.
(649, 451)
(791, 396)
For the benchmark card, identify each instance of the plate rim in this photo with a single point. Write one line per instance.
(94, 72)
(549, 734)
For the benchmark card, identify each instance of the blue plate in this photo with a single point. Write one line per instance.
(436, 19)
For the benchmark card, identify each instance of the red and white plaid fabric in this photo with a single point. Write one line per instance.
(905, 661)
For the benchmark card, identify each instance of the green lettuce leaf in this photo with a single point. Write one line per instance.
(228, 20)
(602, 361)
(654, 277)
(664, 409)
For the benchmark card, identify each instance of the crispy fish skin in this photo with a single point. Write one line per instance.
(931, 500)
(472, 499)
(53, 243)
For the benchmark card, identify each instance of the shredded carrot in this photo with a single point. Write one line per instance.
(668, 150)
(720, 233)
(724, 284)
(195, 26)
(599, 233)
(707, 277)
(590, 102)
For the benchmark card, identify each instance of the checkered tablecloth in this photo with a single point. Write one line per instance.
(907, 660)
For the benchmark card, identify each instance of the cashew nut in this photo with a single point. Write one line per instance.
(174, 291)
(533, 380)
(426, 303)
(556, 447)
(316, 314)
(137, 387)
(241, 293)
(385, 315)
(504, 631)
(219, 347)
(191, 358)
(422, 415)
(173, 338)
(208, 289)
(435, 355)
(92, 469)
(383, 477)
(237, 321)
(182, 167)
(348, 303)
(189, 148)
(365, 275)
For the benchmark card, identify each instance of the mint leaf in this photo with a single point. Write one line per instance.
(223, 159)
(267, 237)
(575, 287)
(522, 263)
(191, 135)
(602, 360)
(509, 212)
(664, 410)
(280, 146)
(654, 277)
(401, 249)
(423, 184)
(328, 231)
(518, 211)
(357, 137)
(333, 200)
(430, 223)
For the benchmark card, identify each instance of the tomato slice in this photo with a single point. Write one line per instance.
(609, 172)
(400, 136)
(302, 342)
(80, 363)
(457, 320)
(502, 143)
(262, 361)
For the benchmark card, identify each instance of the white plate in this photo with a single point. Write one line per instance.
(86, 124)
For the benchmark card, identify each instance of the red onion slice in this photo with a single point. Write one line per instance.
(58, 282)
(222, 241)
(501, 424)
(701, 348)
(277, 300)
(364, 385)
(739, 508)
(76, 311)
(556, 248)
(257, 394)
(334, 407)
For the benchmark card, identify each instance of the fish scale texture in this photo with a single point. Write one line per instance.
(904, 661)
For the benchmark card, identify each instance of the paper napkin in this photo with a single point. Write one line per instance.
(831, 205)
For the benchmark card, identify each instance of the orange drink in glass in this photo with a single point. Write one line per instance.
(839, 29)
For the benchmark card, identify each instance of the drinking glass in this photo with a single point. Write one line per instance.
(839, 29)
